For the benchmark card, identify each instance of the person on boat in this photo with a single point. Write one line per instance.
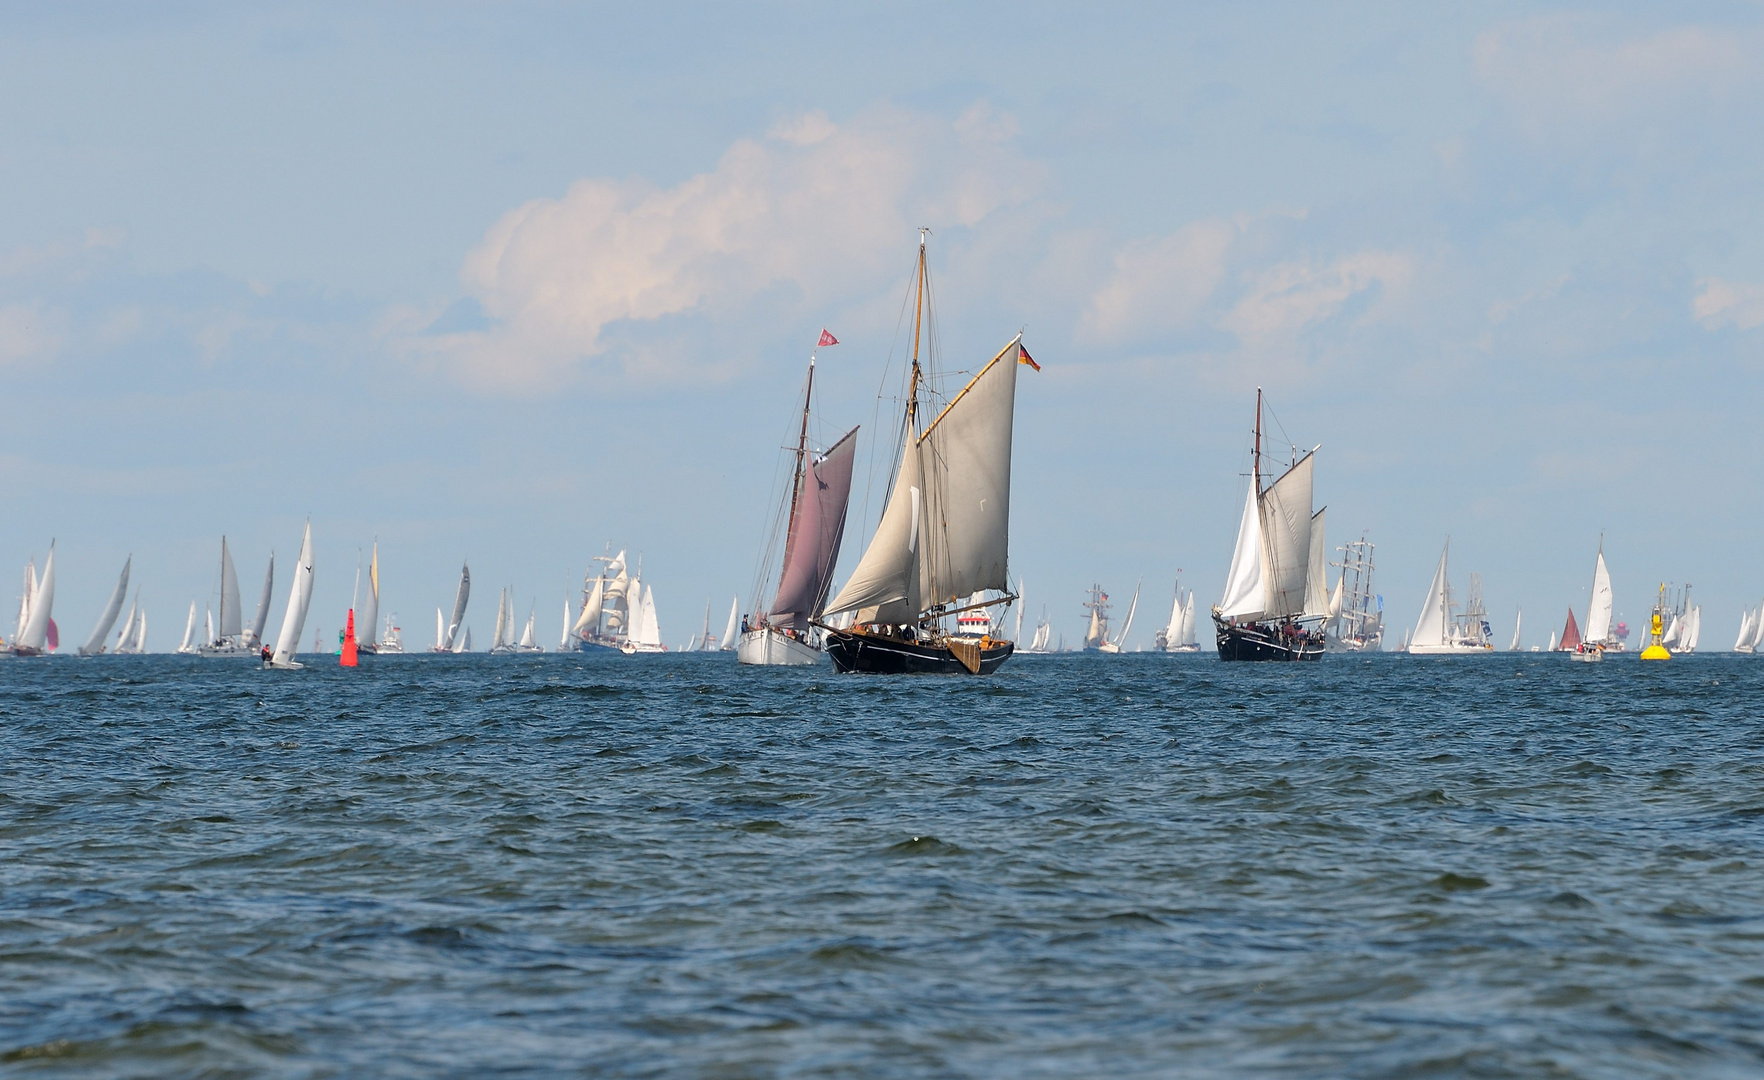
(266, 654)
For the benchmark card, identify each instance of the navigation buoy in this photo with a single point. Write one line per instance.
(1655, 650)
(347, 659)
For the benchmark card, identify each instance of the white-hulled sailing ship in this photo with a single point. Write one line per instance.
(231, 639)
(1097, 636)
(95, 644)
(944, 533)
(1356, 613)
(1179, 635)
(447, 631)
(1275, 599)
(1440, 633)
(820, 488)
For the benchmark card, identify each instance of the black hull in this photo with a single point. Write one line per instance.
(873, 654)
(1262, 642)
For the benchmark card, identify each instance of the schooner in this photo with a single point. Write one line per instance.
(820, 488)
(1275, 594)
(944, 533)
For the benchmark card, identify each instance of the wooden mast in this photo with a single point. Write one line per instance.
(918, 322)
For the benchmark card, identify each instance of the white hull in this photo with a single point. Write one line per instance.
(229, 652)
(772, 647)
(631, 648)
(1590, 656)
(1452, 649)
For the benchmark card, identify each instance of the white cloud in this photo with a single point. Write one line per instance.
(1160, 285)
(1575, 69)
(818, 210)
(1729, 303)
(1285, 299)
(30, 332)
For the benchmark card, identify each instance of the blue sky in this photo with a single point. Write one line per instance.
(510, 281)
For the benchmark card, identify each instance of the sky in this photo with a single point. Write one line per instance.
(508, 283)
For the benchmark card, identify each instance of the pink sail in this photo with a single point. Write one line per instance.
(817, 524)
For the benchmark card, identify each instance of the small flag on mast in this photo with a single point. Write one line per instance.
(1023, 357)
(826, 339)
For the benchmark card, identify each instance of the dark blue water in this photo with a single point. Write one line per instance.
(1084, 866)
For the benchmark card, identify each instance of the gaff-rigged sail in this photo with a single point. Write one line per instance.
(817, 526)
(1286, 535)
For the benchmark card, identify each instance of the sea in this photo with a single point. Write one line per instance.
(1083, 866)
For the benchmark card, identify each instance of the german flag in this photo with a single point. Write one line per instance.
(1023, 357)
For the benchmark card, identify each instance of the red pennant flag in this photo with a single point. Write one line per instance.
(1023, 357)
(826, 339)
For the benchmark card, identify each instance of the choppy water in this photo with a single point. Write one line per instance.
(1083, 866)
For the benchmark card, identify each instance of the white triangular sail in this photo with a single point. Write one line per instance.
(727, 641)
(261, 618)
(1431, 627)
(1758, 626)
(459, 605)
(231, 620)
(189, 643)
(24, 599)
(1173, 631)
(299, 599)
(1317, 603)
(589, 621)
(651, 634)
(126, 634)
(569, 639)
(528, 640)
(95, 644)
(36, 629)
(1244, 585)
(371, 608)
(1598, 611)
(1518, 623)
(1188, 614)
(499, 639)
(440, 631)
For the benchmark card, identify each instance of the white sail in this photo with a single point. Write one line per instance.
(1244, 585)
(1286, 533)
(1758, 626)
(1317, 603)
(124, 635)
(1335, 597)
(464, 645)
(1598, 611)
(732, 630)
(138, 644)
(1173, 632)
(95, 644)
(885, 585)
(651, 634)
(1431, 627)
(1741, 643)
(1127, 627)
(371, 610)
(299, 599)
(231, 621)
(207, 625)
(1518, 623)
(569, 629)
(528, 640)
(24, 599)
(1687, 640)
(261, 618)
(1188, 637)
(440, 631)
(589, 621)
(1017, 631)
(499, 639)
(459, 605)
(965, 459)
(36, 629)
(1552, 645)
(189, 644)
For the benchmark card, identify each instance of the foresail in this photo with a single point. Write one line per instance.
(886, 581)
(231, 622)
(966, 464)
(816, 531)
(1244, 584)
(1430, 628)
(36, 629)
(459, 603)
(299, 598)
(371, 624)
(1317, 604)
(261, 619)
(95, 644)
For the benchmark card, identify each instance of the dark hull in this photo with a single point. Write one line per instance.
(1262, 642)
(874, 654)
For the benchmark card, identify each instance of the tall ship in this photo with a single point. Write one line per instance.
(618, 610)
(1041, 640)
(1442, 630)
(1097, 637)
(944, 533)
(1178, 636)
(1356, 612)
(820, 487)
(1275, 600)
(1683, 622)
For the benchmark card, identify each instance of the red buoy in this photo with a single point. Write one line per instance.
(347, 659)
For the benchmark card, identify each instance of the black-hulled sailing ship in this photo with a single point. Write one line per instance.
(940, 545)
(1276, 597)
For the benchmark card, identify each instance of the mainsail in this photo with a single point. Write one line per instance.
(459, 606)
(231, 623)
(817, 525)
(1598, 612)
(1432, 627)
(371, 623)
(261, 619)
(35, 635)
(727, 641)
(95, 644)
(299, 599)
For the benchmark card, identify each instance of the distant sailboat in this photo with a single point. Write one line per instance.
(227, 639)
(95, 644)
(529, 642)
(36, 629)
(1356, 612)
(299, 600)
(568, 642)
(1518, 622)
(189, 643)
(368, 640)
(944, 532)
(1267, 607)
(1179, 635)
(132, 641)
(644, 631)
(814, 526)
(1039, 643)
(1751, 633)
(732, 629)
(500, 645)
(1437, 632)
(611, 602)
(1097, 637)
(446, 635)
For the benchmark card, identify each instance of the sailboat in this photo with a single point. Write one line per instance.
(500, 645)
(1751, 633)
(1267, 611)
(820, 488)
(731, 629)
(37, 634)
(1356, 619)
(606, 605)
(1518, 623)
(643, 634)
(1038, 643)
(1599, 636)
(1178, 634)
(1571, 642)
(944, 532)
(299, 600)
(188, 646)
(1096, 635)
(228, 639)
(95, 644)
(368, 640)
(447, 633)
(132, 640)
(529, 642)
(1437, 632)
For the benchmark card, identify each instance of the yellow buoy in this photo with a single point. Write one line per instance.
(1655, 650)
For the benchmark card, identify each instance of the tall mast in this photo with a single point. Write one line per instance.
(801, 450)
(1258, 451)
(918, 321)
